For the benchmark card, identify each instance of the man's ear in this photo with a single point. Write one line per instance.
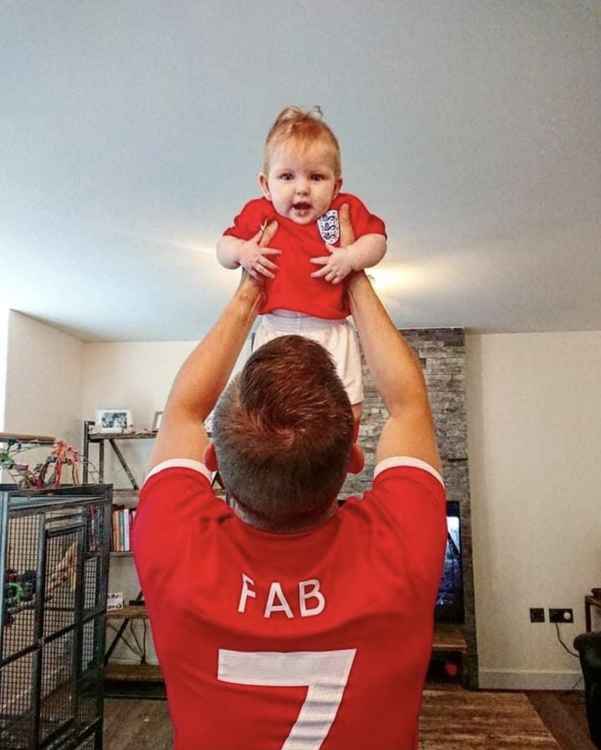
(264, 185)
(356, 461)
(210, 458)
(337, 186)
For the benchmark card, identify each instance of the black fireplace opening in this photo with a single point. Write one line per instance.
(449, 601)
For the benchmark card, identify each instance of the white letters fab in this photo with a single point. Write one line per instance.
(311, 600)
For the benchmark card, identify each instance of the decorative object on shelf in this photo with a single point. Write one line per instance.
(156, 422)
(114, 600)
(48, 473)
(114, 420)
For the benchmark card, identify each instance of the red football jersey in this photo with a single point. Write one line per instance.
(319, 639)
(292, 287)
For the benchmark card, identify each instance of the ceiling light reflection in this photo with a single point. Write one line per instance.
(194, 248)
(396, 277)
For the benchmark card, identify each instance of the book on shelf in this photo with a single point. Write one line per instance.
(122, 520)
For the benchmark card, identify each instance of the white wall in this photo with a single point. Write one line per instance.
(534, 436)
(136, 376)
(43, 381)
(3, 354)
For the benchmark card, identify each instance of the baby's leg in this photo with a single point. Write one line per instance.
(340, 339)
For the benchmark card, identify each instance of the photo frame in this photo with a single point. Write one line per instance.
(114, 600)
(114, 420)
(156, 422)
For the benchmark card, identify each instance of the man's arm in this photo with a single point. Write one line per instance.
(398, 375)
(204, 374)
(409, 430)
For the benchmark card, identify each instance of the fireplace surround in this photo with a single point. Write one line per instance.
(442, 354)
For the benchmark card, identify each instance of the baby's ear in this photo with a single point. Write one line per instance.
(210, 458)
(264, 185)
(337, 187)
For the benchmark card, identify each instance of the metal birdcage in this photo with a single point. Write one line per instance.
(54, 559)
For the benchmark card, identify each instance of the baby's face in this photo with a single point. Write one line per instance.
(301, 184)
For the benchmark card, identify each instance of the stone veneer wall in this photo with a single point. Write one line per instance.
(442, 353)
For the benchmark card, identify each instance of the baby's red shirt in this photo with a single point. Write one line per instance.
(293, 288)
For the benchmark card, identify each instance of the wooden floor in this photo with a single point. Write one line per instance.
(450, 720)
(136, 725)
(564, 715)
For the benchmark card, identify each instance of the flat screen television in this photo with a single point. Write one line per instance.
(449, 602)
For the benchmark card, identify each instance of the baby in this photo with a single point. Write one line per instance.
(301, 181)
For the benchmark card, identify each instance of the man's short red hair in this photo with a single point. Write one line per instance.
(283, 432)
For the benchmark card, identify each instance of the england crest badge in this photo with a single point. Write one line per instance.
(329, 227)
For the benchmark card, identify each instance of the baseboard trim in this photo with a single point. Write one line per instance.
(516, 679)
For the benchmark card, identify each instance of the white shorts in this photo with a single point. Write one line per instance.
(338, 337)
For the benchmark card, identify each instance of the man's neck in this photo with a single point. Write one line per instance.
(258, 523)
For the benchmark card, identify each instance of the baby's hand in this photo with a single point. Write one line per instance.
(336, 266)
(252, 253)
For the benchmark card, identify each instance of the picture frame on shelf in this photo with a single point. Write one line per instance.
(114, 420)
(114, 600)
(156, 422)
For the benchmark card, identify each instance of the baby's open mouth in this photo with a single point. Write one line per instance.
(301, 206)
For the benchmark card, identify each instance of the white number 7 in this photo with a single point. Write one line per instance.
(325, 673)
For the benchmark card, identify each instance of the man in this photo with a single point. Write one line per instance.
(281, 621)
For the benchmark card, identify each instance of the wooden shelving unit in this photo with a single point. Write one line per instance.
(12, 438)
(95, 437)
(100, 438)
(126, 497)
(450, 639)
(114, 672)
(449, 653)
(133, 672)
(133, 612)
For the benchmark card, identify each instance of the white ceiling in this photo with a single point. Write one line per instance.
(131, 133)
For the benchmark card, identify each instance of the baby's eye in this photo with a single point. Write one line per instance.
(286, 176)
(317, 177)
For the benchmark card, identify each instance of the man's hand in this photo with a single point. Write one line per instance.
(253, 253)
(337, 265)
(347, 235)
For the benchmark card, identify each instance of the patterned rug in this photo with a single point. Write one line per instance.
(464, 720)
